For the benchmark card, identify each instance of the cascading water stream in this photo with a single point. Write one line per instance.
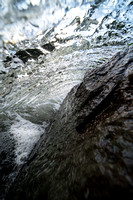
(46, 48)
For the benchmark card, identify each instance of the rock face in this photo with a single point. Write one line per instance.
(87, 152)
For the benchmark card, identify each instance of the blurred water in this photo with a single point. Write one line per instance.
(46, 47)
(22, 19)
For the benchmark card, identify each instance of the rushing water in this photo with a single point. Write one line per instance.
(46, 48)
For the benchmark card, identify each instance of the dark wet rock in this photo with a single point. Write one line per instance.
(7, 156)
(48, 47)
(35, 53)
(24, 55)
(8, 58)
(87, 152)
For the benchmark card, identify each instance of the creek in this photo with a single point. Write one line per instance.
(45, 50)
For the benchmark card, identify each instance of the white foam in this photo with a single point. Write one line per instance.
(26, 134)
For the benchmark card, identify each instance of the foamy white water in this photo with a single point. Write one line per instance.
(26, 134)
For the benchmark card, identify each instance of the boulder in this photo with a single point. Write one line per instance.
(87, 152)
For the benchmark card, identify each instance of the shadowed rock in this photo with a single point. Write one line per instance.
(88, 149)
(24, 55)
(48, 47)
